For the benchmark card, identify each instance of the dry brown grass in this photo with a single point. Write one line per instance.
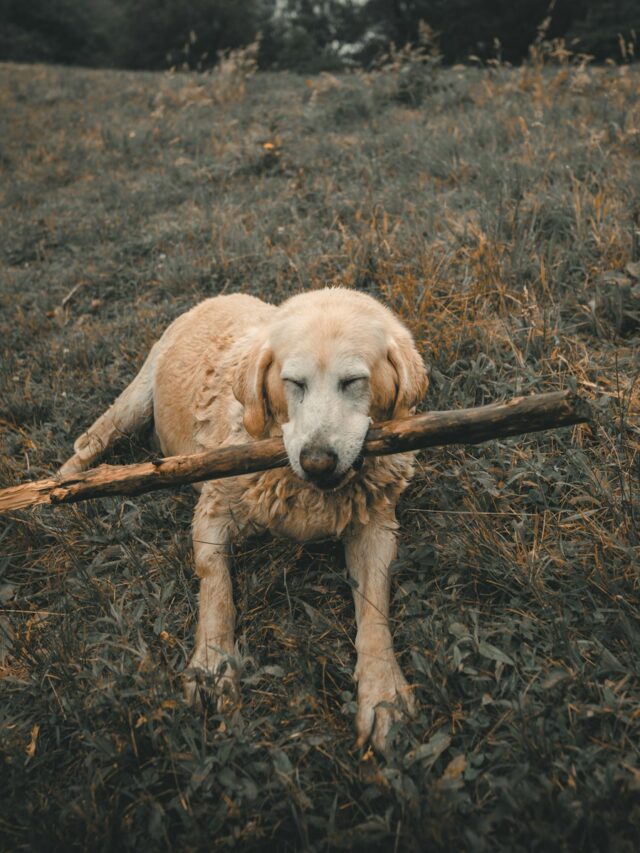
(497, 211)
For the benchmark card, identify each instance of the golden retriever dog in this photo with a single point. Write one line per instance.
(316, 370)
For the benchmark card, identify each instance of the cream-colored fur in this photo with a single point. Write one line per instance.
(317, 370)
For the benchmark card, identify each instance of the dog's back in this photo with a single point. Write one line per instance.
(167, 385)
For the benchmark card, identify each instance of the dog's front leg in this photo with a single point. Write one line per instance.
(383, 693)
(214, 646)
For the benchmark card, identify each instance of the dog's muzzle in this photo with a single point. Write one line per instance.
(319, 464)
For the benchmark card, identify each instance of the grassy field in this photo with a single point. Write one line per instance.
(498, 211)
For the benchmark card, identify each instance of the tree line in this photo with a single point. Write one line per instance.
(303, 35)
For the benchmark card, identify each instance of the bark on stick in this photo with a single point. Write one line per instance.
(461, 426)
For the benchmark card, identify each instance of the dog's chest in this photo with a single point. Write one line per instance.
(279, 502)
(288, 508)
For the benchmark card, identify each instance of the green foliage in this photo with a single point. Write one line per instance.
(303, 35)
(467, 27)
(174, 32)
(64, 31)
(142, 34)
(608, 30)
(496, 210)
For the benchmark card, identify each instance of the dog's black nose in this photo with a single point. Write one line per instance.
(318, 462)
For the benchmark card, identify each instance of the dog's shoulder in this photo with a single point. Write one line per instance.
(216, 412)
(227, 327)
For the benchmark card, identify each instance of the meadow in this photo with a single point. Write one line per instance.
(498, 211)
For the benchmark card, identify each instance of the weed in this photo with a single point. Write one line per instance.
(496, 210)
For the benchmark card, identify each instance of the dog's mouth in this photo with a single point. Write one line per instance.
(329, 484)
(359, 462)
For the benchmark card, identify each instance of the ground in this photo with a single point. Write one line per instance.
(496, 210)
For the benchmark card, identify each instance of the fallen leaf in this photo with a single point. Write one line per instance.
(487, 650)
(633, 268)
(455, 768)
(31, 747)
(430, 750)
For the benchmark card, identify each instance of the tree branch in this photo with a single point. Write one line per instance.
(461, 426)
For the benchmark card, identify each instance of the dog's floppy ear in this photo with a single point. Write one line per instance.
(412, 381)
(399, 381)
(250, 387)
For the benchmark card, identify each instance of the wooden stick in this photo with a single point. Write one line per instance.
(461, 426)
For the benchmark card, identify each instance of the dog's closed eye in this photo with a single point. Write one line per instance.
(300, 384)
(353, 382)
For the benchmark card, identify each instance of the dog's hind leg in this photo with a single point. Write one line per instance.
(130, 413)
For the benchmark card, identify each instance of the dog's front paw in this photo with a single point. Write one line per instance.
(214, 678)
(74, 465)
(384, 697)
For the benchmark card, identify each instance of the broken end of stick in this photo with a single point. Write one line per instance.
(553, 408)
(565, 404)
(26, 495)
(582, 408)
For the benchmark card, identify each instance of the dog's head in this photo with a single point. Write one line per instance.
(330, 362)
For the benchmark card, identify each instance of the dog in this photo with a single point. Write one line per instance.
(316, 370)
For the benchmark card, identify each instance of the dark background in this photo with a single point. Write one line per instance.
(302, 35)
